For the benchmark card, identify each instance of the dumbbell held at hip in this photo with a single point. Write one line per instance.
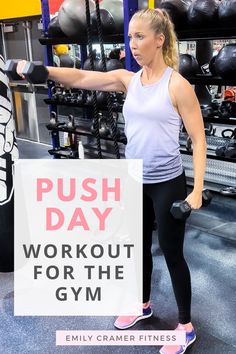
(33, 72)
(181, 209)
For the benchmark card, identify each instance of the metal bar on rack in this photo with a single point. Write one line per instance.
(48, 56)
(130, 7)
(28, 39)
(83, 54)
(4, 48)
(48, 60)
(33, 122)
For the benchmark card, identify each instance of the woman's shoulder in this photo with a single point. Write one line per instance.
(177, 81)
(125, 76)
(179, 87)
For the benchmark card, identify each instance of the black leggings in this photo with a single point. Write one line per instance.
(157, 201)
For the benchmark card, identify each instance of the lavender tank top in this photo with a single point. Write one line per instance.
(152, 128)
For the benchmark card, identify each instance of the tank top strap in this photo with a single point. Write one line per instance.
(167, 74)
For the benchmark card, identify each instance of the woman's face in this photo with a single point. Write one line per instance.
(145, 44)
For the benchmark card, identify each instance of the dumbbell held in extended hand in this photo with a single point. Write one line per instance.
(181, 208)
(34, 72)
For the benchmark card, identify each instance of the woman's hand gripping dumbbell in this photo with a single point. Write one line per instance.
(33, 72)
(181, 209)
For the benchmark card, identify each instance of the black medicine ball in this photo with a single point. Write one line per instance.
(54, 29)
(72, 17)
(96, 63)
(107, 21)
(114, 64)
(112, 17)
(227, 13)
(177, 9)
(225, 62)
(66, 61)
(203, 13)
(188, 65)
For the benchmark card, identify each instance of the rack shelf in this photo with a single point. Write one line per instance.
(206, 33)
(182, 35)
(69, 154)
(118, 38)
(63, 152)
(81, 131)
(230, 121)
(201, 79)
(70, 104)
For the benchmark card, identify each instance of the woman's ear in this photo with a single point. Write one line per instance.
(160, 40)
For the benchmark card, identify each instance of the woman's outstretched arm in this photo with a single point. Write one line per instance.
(116, 80)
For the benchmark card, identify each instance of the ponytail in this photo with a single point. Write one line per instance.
(170, 52)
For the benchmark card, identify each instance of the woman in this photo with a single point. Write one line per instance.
(158, 100)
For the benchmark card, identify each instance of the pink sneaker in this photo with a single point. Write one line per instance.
(123, 322)
(179, 349)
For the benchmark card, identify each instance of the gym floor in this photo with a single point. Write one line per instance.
(210, 250)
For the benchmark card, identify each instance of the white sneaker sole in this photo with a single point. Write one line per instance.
(133, 323)
(189, 343)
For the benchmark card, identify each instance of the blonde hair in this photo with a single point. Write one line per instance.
(160, 22)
